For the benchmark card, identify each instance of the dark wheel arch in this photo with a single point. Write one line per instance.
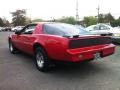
(46, 61)
(14, 50)
(39, 45)
(50, 63)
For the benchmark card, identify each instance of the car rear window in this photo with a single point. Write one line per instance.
(61, 29)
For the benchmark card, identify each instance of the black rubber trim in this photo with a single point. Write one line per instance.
(89, 42)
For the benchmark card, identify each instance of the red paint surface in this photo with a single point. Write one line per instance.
(57, 47)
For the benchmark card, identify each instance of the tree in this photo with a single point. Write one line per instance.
(19, 17)
(90, 20)
(4, 22)
(1, 22)
(37, 20)
(108, 18)
(101, 18)
(116, 22)
(70, 20)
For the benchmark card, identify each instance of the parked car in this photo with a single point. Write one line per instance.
(50, 42)
(6, 29)
(17, 28)
(105, 30)
(118, 27)
(83, 31)
(0, 29)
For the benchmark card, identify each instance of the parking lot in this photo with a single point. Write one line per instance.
(18, 72)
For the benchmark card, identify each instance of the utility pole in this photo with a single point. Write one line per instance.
(98, 10)
(77, 16)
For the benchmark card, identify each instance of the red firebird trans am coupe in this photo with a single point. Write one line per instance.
(49, 42)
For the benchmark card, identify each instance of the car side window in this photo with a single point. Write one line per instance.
(52, 30)
(29, 29)
(103, 27)
(96, 28)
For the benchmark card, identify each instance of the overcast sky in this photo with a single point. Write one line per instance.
(47, 9)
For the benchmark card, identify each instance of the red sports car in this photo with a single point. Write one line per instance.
(50, 41)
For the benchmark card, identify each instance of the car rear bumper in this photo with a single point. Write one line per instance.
(81, 54)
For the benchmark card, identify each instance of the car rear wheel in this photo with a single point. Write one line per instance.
(12, 49)
(41, 59)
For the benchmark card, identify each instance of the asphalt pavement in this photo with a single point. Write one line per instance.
(18, 72)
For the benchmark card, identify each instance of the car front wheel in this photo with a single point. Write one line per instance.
(12, 49)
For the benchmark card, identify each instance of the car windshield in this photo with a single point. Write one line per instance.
(91, 27)
(61, 29)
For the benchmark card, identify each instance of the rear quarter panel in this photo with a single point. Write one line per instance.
(55, 46)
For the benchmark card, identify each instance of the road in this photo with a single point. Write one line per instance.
(18, 72)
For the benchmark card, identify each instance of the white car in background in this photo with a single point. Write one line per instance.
(83, 30)
(0, 29)
(105, 30)
(17, 28)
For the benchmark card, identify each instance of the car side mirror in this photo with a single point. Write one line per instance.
(18, 32)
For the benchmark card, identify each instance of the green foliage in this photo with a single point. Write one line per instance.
(70, 20)
(4, 22)
(19, 18)
(109, 17)
(105, 18)
(90, 20)
(37, 20)
(101, 18)
(115, 23)
(1, 22)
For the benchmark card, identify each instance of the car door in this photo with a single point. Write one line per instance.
(26, 39)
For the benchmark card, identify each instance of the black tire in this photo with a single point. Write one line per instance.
(12, 49)
(41, 59)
